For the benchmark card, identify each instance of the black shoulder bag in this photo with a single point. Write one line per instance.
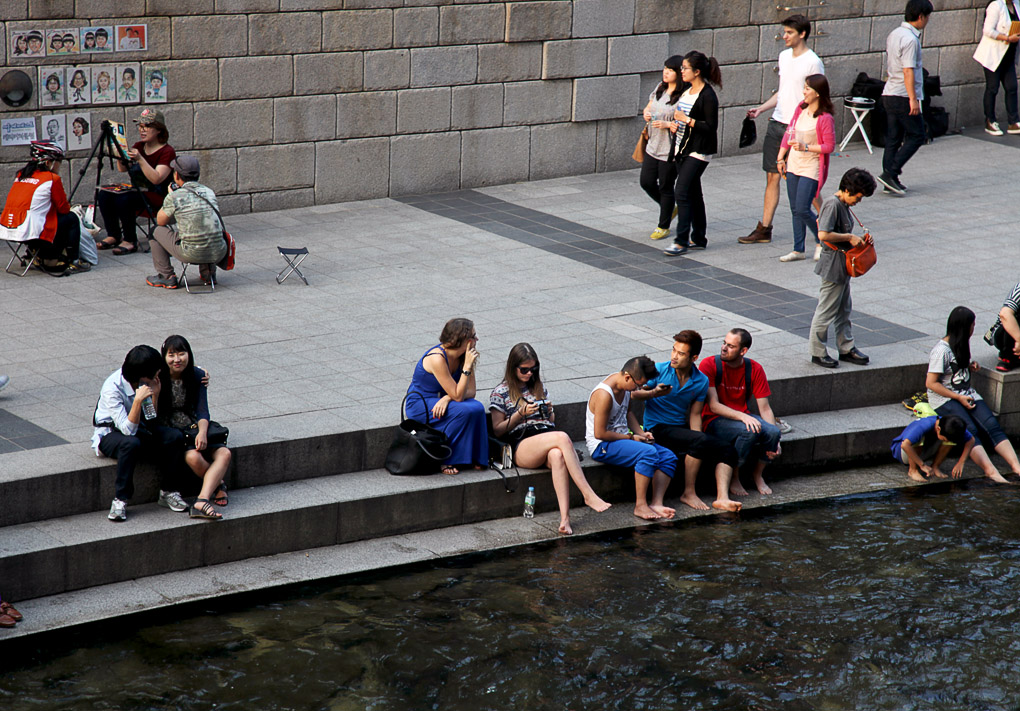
(418, 448)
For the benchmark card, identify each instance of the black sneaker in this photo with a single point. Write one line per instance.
(169, 282)
(891, 184)
(915, 399)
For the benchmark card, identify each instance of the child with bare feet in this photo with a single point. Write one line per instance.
(938, 437)
(734, 382)
(523, 417)
(614, 436)
(950, 391)
(674, 399)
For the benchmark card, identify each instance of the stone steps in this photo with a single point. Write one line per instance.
(327, 490)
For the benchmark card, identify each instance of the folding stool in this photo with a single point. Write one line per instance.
(184, 278)
(27, 259)
(293, 256)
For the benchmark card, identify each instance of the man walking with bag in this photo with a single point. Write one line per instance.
(903, 93)
(835, 225)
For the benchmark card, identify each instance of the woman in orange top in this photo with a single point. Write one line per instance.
(37, 210)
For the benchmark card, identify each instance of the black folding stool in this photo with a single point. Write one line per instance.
(293, 256)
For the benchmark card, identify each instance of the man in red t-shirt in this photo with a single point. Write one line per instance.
(726, 414)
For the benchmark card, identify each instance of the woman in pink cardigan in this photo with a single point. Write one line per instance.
(809, 140)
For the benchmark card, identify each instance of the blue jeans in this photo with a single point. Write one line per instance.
(980, 421)
(801, 192)
(642, 457)
(744, 440)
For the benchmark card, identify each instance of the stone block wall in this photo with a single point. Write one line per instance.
(290, 103)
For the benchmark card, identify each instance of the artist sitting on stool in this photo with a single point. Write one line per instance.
(199, 236)
(150, 156)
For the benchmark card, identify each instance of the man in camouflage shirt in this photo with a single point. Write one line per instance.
(198, 238)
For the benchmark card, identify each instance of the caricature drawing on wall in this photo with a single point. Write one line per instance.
(62, 41)
(132, 38)
(127, 83)
(34, 43)
(79, 138)
(96, 39)
(155, 84)
(79, 85)
(51, 86)
(104, 84)
(53, 129)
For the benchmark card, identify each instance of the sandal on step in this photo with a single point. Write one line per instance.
(449, 470)
(103, 244)
(121, 251)
(220, 497)
(202, 508)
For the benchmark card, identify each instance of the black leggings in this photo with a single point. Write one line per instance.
(657, 179)
(66, 241)
(691, 219)
(119, 211)
(1004, 74)
(162, 445)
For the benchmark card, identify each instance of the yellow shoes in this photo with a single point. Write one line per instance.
(660, 233)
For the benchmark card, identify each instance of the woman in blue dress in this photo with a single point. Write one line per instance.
(445, 377)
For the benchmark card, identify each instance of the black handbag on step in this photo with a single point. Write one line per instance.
(418, 447)
(216, 434)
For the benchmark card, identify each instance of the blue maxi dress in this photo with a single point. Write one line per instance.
(463, 423)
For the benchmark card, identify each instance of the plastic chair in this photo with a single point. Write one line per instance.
(293, 256)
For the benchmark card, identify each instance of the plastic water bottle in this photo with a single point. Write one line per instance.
(529, 503)
(148, 409)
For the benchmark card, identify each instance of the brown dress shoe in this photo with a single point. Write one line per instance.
(761, 235)
(7, 608)
(7, 621)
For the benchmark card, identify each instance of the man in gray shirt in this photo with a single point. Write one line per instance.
(835, 225)
(903, 93)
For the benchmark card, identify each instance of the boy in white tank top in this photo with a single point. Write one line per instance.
(608, 428)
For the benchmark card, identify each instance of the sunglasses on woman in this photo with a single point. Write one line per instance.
(527, 371)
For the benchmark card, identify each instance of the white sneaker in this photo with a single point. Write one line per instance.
(792, 257)
(172, 500)
(4, 380)
(818, 252)
(118, 511)
(992, 128)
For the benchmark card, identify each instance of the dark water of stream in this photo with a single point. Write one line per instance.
(902, 600)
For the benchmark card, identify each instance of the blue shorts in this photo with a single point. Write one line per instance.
(642, 457)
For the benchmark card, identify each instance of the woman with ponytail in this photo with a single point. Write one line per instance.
(697, 124)
(658, 169)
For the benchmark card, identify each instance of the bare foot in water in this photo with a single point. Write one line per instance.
(997, 478)
(645, 511)
(727, 505)
(763, 488)
(694, 502)
(565, 528)
(663, 511)
(736, 489)
(596, 503)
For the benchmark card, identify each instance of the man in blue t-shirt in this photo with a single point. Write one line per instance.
(673, 403)
(938, 437)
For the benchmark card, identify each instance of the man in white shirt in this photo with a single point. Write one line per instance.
(796, 63)
(903, 93)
